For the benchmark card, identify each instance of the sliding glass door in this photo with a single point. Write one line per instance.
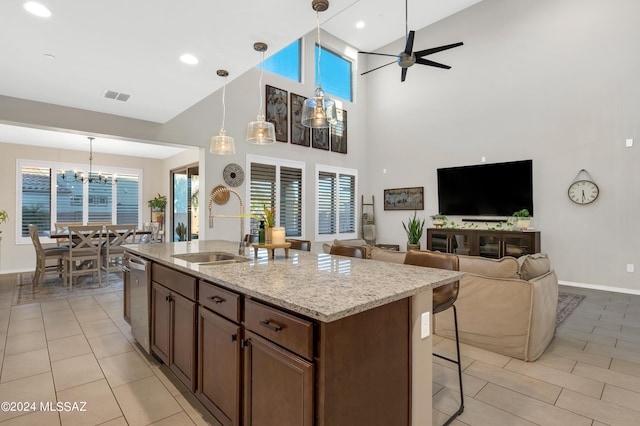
(185, 195)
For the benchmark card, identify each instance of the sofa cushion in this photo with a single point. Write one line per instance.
(534, 265)
(507, 267)
(387, 255)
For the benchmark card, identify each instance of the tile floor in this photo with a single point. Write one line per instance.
(79, 349)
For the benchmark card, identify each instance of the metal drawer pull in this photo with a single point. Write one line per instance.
(275, 328)
(215, 299)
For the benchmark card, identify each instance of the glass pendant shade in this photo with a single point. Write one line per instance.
(319, 112)
(222, 144)
(261, 132)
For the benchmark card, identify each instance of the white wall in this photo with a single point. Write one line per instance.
(554, 81)
(21, 257)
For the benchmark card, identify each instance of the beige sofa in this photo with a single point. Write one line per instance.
(506, 306)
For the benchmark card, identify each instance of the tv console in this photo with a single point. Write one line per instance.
(482, 242)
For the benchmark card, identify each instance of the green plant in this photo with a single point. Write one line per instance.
(159, 202)
(4, 216)
(181, 230)
(439, 217)
(269, 216)
(414, 229)
(524, 213)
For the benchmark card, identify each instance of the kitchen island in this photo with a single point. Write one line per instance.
(313, 338)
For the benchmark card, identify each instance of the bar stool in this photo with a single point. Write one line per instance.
(350, 251)
(444, 298)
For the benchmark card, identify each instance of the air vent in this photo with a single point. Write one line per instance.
(110, 94)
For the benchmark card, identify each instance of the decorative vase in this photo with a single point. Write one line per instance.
(523, 223)
(413, 246)
(268, 235)
(438, 223)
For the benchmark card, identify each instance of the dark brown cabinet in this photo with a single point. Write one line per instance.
(493, 244)
(278, 385)
(173, 322)
(219, 353)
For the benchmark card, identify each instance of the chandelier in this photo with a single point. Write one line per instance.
(90, 178)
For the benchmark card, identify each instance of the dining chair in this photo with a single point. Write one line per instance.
(62, 228)
(43, 255)
(444, 297)
(83, 257)
(304, 245)
(351, 251)
(112, 250)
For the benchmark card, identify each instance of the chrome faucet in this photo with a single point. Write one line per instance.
(214, 192)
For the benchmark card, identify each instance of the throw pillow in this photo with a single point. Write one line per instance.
(507, 267)
(534, 265)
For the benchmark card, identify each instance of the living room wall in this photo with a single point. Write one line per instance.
(553, 81)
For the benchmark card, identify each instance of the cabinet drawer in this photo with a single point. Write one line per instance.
(219, 300)
(177, 281)
(286, 330)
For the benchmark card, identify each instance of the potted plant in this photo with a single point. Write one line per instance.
(4, 216)
(269, 223)
(158, 203)
(181, 230)
(523, 218)
(413, 228)
(439, 220)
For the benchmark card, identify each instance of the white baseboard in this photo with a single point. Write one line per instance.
(600, 287)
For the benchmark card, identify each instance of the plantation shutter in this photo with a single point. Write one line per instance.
(326, 203)
(263, 190)
(36, 199)
(127, 196)
(291, 201)
(347, 203)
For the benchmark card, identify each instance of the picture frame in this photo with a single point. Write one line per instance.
(320, 138)
(404, 198)
(339, 133)
(300, 135)
(277, 111)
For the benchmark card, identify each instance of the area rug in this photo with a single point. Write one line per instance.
(25, 292)
(567, 302)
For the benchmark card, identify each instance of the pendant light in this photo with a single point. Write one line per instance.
(261, 132)
(223, 144)
(319, 111)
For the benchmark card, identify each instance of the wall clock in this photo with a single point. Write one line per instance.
(233, 175)
(583, 190)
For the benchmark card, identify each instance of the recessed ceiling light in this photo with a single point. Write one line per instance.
(360, 25)
(189, 59)
(37, 9)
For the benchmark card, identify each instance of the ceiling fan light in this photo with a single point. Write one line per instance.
(261, 132)
(319, 112)
(222, 144)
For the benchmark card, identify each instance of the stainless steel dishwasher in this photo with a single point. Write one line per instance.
(139, 270)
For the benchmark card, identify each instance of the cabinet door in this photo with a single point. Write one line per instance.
(461, 242)
(517, 245)
(219, 366)
(438, 241)
(490, 245)
(278, 385)
(183, 340)
(160, 321)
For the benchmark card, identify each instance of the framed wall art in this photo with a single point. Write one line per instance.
(277, 112)
(404, 198)
(300, 135)
(320, 138)
(339, 133)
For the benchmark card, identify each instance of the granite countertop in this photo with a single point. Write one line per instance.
(319, 286)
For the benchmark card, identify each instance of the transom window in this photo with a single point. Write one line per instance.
(286, 62)
(336, 74)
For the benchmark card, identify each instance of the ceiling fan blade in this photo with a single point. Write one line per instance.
(426, 52)
(423, 61)
(377, 68)
(403, 75)
(409, 46)
(379, 54)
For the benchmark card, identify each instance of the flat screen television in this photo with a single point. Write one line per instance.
(497, 189)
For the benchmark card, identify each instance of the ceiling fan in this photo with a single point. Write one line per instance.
(408, 57)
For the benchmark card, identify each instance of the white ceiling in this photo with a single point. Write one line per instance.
(134, 47)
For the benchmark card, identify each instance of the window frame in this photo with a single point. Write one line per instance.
(55, 167)
(338, 171)
(278, 163)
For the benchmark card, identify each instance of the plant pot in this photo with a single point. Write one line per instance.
(413, 246)
(523, 223)
(438, 223)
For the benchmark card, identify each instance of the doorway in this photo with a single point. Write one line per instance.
(185, 195)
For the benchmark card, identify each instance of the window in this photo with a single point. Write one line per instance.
(48, 193)
(275, 182)
(336, 203)
(336, 74)
(286, 62)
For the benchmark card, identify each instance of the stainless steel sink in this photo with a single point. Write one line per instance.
(210, 258)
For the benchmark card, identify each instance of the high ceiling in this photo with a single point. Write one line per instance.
(133, 47)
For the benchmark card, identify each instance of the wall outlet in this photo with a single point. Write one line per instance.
(425, 329)
(630, 267)
(629, 143)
